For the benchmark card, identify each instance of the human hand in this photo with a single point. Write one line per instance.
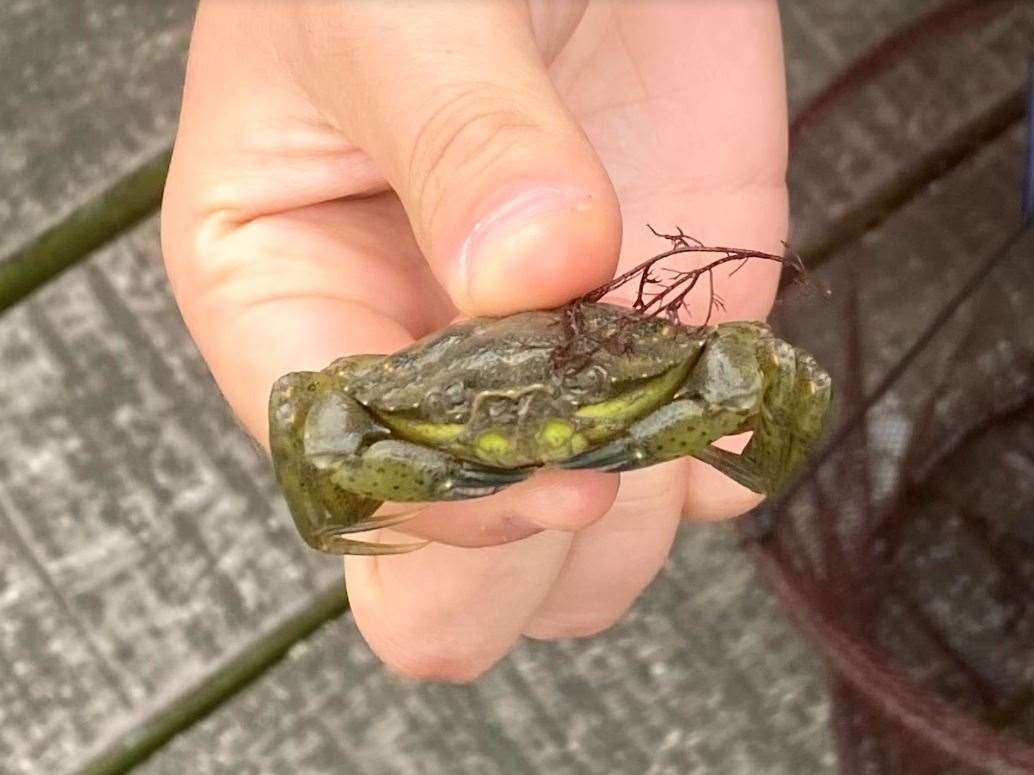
(351, 176)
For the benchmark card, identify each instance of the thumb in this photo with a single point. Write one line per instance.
(506, 197)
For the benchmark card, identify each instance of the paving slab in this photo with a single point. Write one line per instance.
(143, 540)
(90, 92)
(904, 126)
(906, 269)
(703, 676)
(823, 38)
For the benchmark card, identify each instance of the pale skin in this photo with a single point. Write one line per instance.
(351, 176)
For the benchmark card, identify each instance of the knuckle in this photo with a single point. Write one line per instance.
(464, 135)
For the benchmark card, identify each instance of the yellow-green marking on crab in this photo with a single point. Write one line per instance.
(558, 441)
(493, 444)
(610, 416)
(556, 433)
(430, 433)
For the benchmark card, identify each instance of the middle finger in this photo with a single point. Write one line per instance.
(549, 500)
(446, 613)
(612, 561)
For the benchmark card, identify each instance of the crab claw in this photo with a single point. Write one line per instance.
(471, 482)
(613, 457)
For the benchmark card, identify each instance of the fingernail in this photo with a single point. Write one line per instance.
(527, 233)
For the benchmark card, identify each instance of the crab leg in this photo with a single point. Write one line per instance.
(721, 395)
(336, 466)
(791, 420)
(745, 380)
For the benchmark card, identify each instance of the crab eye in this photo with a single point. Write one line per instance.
(586, 380)
(454, 395)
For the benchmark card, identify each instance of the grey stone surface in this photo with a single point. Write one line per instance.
(142, 542)
(903, 118)
(704, 676)
(906, 269)
(90, 91)
(823, 38)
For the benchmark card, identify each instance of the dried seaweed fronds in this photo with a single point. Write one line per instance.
(660, 291)
(664, 291)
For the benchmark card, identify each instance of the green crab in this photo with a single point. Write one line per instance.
(479, 406)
